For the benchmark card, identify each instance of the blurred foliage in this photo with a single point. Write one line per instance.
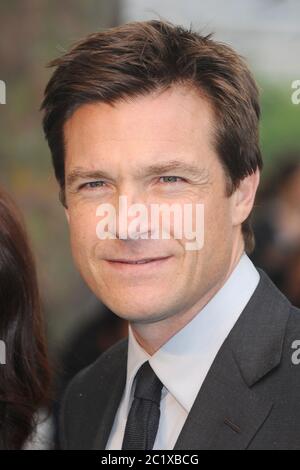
(280, 123)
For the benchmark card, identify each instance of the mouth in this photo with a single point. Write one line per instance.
(137, 264)
(137, 261)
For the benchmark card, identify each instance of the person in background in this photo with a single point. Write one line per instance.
(24, 371)
(276, 225)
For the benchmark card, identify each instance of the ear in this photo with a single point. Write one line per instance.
(243, 198)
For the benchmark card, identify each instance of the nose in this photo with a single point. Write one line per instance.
(132, 215)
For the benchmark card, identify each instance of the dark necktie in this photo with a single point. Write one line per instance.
(143, 418)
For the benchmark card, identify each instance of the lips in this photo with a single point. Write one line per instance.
(138, 268)
(140, 261)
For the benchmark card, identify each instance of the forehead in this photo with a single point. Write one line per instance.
(177, 120)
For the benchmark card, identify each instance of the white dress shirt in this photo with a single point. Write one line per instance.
(183, 362)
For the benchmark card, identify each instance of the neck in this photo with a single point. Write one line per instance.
(153, 336)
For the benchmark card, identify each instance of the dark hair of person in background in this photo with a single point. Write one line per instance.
(281, 175)
(276, 222)
(141, 58)
(25, 377)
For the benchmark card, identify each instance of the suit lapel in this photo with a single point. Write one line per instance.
(111, 396)
(229, 410)
(226, 413)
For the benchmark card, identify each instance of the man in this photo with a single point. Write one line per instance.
(157, 114)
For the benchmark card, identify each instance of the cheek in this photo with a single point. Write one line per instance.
(217, 223)
(82, 230)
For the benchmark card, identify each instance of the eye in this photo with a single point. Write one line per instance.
(92, 185)
(171, 179)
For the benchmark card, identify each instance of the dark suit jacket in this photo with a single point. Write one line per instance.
(250, 398)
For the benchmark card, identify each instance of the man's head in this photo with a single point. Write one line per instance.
(125, 109)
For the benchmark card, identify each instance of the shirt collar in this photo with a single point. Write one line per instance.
(183, 362)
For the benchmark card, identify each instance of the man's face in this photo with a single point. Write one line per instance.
(116, 151)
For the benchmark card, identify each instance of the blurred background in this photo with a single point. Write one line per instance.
(265, 32)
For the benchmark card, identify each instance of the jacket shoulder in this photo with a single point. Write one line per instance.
(97, 371)
(82, 397)
(292, 337)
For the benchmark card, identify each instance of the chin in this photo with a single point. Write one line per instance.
(138, 313)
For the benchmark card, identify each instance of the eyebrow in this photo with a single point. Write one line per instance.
(151, 170)
(178, 165)
(81, 173)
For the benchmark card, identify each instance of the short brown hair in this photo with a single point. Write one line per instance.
(138, 58)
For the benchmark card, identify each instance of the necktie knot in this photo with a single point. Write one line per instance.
(148, 386)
